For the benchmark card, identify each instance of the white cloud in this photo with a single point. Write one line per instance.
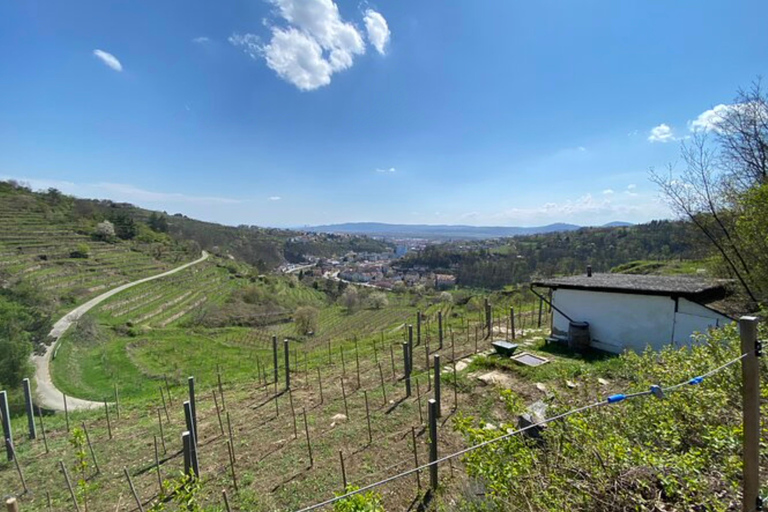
(378, 31)
(274, 198)
(108, 59)
(709, 119)
(712, 120)
(631, 186)
(581, 149)
(201, 40)
(383, 171)
(607, 191)
(661, 133)
(314, 43)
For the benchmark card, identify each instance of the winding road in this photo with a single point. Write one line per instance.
(48, 396)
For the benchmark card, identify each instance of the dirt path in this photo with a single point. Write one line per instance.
(47, 395)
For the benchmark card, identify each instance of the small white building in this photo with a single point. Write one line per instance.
(632, 312)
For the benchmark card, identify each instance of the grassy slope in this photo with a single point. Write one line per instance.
(36, 240)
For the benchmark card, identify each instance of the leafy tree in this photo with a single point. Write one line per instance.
(125, 226)
(158, 223)
(105, 230)
(350, 299)
(306, 319)
(378, 300)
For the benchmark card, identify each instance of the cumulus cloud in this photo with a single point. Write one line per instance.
(274, 198)
(631, 186)
(108, 59)
(608, 191)
(378, 30)
(661, 133)
(383, 171)
(313, 43)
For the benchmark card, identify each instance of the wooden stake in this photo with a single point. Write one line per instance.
(30, 409)
(750, 373)
(343, 471)
(368, 418)
(418, 399)
(277, 408)
(231, 451)
(133, 490)
(293, 414)
(343, 364)
(90, 448)
(415, 456)
(306, 431)
(42, 429)
(157, 467)
(69, 486)
(344, 395)
(9, 445)
(11, 505)
(231, 437)
(109, 423)
(383, 389)
(226, 501)
(117, 402)
(165, 407)
(274, 357)
(287, 351)
(221, 392)
(168, 390)
(357, 363)
(162, 433)
(392, 359)
(66, 410)
(218, 412)
(320, 384)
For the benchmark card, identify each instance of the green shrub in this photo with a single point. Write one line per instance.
(679, 453)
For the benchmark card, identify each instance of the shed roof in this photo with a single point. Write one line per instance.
(695, 288)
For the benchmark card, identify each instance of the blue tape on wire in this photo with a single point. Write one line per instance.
(695, 380)
(616, 398)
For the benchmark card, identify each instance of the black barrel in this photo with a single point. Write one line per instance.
(578, 335)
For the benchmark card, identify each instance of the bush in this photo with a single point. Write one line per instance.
(104, 231)
(82, 251)
(378, 300)
(363, 502)
(306, 320)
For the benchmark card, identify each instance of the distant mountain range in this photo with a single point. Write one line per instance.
(442, 231)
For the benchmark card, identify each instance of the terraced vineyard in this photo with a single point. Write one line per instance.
(37, 244)
(168, 301)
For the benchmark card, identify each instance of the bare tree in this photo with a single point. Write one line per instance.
(720, 170)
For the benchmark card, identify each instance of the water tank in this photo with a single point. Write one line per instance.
(578, 335)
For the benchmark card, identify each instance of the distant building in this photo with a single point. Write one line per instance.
(632, 312)
(444, 281)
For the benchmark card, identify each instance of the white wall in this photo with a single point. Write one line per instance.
(692, 317)
(620, 321)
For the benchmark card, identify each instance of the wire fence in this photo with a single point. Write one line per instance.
(655, 390)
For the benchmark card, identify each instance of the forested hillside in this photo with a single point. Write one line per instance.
(495, 264)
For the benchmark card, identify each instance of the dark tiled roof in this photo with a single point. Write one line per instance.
(687, 286)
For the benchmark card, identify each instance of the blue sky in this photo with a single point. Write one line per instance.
(297, 112)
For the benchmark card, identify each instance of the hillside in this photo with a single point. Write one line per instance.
(498, 263)
(46, 242)
(445, 232)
